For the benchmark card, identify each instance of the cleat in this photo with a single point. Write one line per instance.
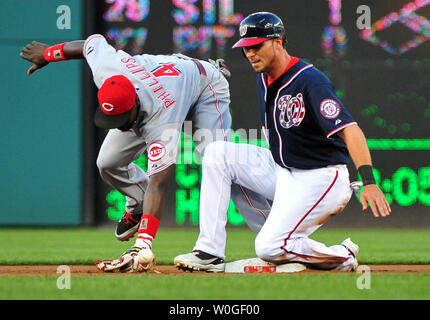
(351, 246)
(127, 226)
(353, 249)
(199, 261)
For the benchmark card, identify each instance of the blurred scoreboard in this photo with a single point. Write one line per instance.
(375, 53)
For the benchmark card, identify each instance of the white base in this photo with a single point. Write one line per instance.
(256, 265)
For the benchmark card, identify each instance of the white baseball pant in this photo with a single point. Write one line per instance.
(303, 200)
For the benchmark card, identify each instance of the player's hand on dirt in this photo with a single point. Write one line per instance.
(33, 52)
(373, 196)
(128, 262)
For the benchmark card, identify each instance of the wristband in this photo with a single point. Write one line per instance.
(149, 225)
(55, 53)
(366, 173)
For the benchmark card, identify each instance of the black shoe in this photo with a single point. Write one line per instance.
(127, 226)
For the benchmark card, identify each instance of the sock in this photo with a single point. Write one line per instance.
(144, 240)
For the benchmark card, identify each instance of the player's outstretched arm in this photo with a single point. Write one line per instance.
(40, 54)
(360, 155)
(155, 194)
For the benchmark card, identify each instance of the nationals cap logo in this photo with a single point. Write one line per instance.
(330, 109)
(242, 30)
(156, 151)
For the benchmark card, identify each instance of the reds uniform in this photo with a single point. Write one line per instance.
(171, 89)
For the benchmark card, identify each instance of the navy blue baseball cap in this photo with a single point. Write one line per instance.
(259, 27)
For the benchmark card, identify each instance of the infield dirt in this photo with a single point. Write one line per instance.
(166, 270)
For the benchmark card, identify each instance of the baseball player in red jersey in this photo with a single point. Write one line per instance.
(311, 137)
(144, 100)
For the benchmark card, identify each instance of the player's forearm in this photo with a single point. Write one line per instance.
(357, 145)
(155, 194)
(153, 203)
(74, 49)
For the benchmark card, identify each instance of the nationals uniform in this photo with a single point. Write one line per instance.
(304, 172)
(171, 89)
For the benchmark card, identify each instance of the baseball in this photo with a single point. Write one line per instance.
(145, 256)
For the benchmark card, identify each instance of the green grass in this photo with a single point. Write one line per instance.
(226, 287)
(83, 245)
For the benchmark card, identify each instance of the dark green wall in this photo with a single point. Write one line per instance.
(40, 121)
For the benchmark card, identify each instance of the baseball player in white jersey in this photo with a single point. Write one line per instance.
(311, 137)
(144, 100)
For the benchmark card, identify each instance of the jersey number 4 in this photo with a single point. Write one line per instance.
(166, 70)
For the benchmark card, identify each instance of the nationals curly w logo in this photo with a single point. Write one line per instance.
(292, 110)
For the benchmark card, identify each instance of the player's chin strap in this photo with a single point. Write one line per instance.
(221, 66)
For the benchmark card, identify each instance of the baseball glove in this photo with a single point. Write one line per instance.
(136, 259)
(221, 66)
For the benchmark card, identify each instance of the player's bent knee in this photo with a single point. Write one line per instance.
(102, 164)
(106, 164)
(267, 250)
(214, 148)
(214, 154)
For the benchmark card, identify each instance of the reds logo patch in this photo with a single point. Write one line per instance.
(156, 151)
(330, 109)
(292, 110)
(107, 107)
